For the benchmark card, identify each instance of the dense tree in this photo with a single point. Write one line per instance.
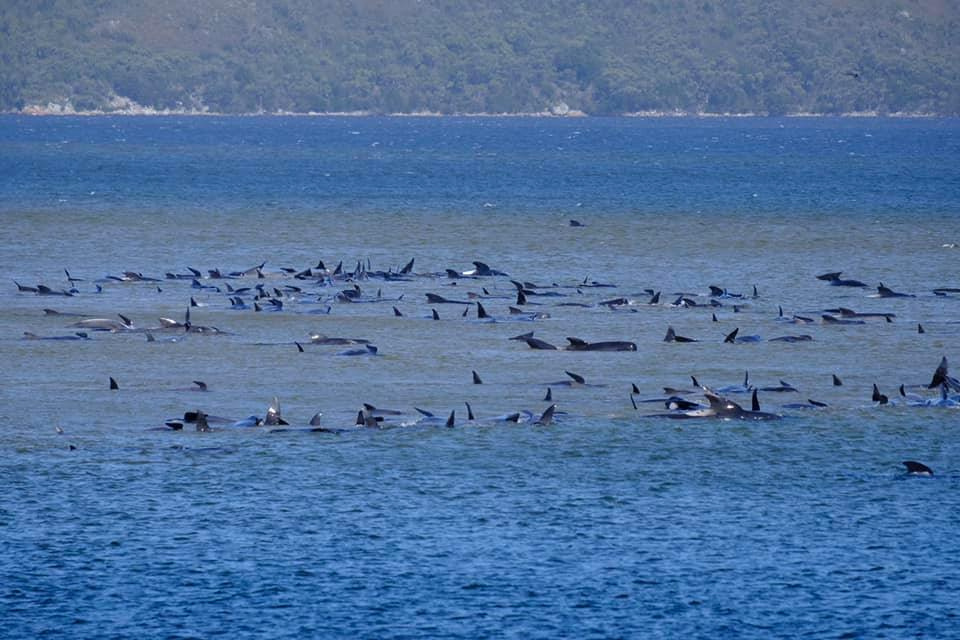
(453, 56)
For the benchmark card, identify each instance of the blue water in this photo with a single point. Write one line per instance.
(608, 523)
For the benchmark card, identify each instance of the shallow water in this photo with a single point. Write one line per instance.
(608, 523)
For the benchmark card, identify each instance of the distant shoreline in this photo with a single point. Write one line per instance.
(57, 110)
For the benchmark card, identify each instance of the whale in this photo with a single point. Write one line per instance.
(809, 404)
(673, 337)
(313, 426)
(377, 412)
(576, 344)
(941, 377)
(887, 292)
(482, 269)
(201, 423)
(678, 403)
(482, 313)
(944, 400)
(726, 409)
(366, 350)
(546, 418)
(22, 288)
(366, 419)
(79, 335)
(803, 337)
(537, 343)
(915, 468)
(527, 316)
(273, 417)
(879, 397)
(575, 380)
(733, 388)
(733, 338)
(833, 278)
(783, 387)
(532, 289)
(850, 313)
(318, 338)
(721, 408)
(829, 319)
(44, 290)
(433, 298)
(104, 324)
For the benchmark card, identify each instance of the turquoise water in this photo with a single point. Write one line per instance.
(607, 523)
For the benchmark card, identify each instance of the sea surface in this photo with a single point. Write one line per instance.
(609, 522)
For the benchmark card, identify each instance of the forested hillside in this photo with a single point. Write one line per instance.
(493, 56)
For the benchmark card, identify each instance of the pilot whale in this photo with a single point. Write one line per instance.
(915, 468)
(576, 344)
(722, 408)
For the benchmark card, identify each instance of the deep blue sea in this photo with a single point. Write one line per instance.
(611, 521)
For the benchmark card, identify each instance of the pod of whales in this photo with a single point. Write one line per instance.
(320, 290)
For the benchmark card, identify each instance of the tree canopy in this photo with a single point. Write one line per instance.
(492, 56)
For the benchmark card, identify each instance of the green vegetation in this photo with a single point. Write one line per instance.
(494, 56)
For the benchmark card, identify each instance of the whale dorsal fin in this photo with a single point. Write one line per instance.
(546, 417)
(940, 375)
(451, 419)
(917, 467)
(476, 378)
(576, 377)
(879, 397)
